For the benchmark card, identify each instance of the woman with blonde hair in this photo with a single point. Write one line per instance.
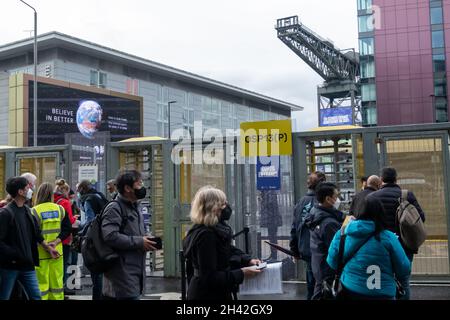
(61, 197)
(208, 250)
(55, 227)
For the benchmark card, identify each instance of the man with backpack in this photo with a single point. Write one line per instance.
(323, 221)
(390, 196)
(92, 203)
(122, 228)
(300, 236)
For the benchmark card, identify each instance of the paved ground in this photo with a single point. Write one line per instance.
(169, 289)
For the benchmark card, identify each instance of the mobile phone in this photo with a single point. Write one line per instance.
(262, 265)
(158, 241)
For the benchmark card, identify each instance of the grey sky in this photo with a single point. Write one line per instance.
(233, 41)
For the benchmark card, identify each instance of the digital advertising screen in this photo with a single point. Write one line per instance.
(65, 110)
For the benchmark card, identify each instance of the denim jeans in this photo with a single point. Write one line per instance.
(405, 281)
(28, 279)
(310, 281)
(97, 286)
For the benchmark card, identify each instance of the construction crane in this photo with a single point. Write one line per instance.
(339, 68)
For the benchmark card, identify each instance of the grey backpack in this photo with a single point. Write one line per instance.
(411, 226)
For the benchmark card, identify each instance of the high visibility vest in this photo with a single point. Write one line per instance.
(50, 216)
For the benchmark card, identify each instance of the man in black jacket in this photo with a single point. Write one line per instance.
(389, 195)
(19, 238)
(300, 235)
(324, 221)
(373, 184)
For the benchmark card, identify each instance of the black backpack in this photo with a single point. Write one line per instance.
(302, 231)
(98, 257)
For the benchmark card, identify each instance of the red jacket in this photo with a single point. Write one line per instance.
(65, 203)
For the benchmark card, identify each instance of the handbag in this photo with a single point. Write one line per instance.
(334, 290)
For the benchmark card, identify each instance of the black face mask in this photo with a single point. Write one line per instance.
(140, 193)
(226, 213)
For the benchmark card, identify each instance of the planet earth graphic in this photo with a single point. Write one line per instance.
(89, 118)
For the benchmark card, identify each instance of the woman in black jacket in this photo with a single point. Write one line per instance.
(208, 250)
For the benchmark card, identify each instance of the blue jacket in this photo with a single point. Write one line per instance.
(356, 274)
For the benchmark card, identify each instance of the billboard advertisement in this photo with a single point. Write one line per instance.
(67, 110)
(336, 117)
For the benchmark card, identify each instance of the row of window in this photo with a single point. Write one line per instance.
(439, 68)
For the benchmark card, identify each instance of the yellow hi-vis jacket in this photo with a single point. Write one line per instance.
(50, 216)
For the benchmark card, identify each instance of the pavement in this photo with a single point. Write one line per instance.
(159, 288)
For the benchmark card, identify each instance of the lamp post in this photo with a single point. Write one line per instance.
(35, 77)
(168, 111)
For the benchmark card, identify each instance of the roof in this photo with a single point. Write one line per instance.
(142, 139)
(57, 39)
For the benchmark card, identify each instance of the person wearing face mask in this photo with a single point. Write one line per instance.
(31, 179)
(123, 230)
(323, 221)
(21, 241)
(92, 203)
(214, 268)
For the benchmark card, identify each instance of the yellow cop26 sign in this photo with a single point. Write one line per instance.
(266, 138)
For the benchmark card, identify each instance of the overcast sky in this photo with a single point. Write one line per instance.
(233, 41)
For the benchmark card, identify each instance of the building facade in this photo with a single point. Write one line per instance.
(192, 97)
(404, 47)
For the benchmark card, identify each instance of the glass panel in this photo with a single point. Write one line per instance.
(368, 92)
(195, 176)
(365, 23)
(367, 68)
(2, 176)
(440, 87)
(369, 116)
(366, 46)
(102, 80)
(43, 168)
(436, 15)
(364, 4)
(420, 168)
(94, 78)
(439, 63)
(437, 39)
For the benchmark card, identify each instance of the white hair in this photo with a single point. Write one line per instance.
(31, 178)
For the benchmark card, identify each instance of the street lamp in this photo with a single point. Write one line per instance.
(35, 77)
(168, 111)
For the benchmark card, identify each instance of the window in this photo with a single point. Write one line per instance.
(98, 79)
(365, 23)
(366, 46)
(440, 87)
(188, 120)
(368, 92)
(439, 63)
(436, 15)
(364, 4)
(437, 39)
(441, 109)
(367, 68)
(369, 114)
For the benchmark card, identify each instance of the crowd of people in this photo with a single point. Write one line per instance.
(370, 239)
(39, 226)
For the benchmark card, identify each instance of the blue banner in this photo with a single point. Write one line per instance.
(336, 117)
(268, 173)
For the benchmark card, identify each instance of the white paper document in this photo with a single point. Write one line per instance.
(267, 282)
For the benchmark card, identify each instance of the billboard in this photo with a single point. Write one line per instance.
(64, 109)
(268, 173)
(336, 117)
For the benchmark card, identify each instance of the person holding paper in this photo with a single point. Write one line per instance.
(208, 250)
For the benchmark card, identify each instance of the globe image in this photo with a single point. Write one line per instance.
(89, 118)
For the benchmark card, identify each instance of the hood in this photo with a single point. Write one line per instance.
(191, 237)
(360, 228)
(319, 213)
